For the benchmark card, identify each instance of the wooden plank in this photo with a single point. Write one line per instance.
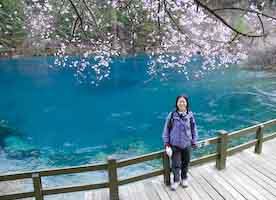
(37, 186)
(236, 183)
(269, 165)
(71, 170)
(269, 123)
(124, 193)
(97, 195)
(246, 131)
(139, 159)
(216, 185)
(162, 193)
(89, 195)
(133, 195)
(141, 177)
(270, 137)
(191, 192)
(241, 147)
(52, 172)
(139, 187)
(135, 191)
(167, 170)
(17, 196)
(104, 194)
(258, 191)
(173, 195)
(205, 185)
(261, 166)
(269, 149)
(224, 183)
(113, 179)
(198, 188)
(242, 184)
(203, 159)
(258, 177)
(155, 155)
(222, 150)
(77, 188)
(213, 140)
(12, 177)
(252, 129)
(268, 155)
(182, 194)
(260, 169)
(150, 191)
(259, 137)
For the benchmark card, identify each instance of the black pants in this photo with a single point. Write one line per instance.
(180, 162)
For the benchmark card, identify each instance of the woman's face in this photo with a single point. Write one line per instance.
(182, 104)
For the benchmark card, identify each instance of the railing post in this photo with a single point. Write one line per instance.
(166, 167)
(113, 179)
(37, 186)
(222, 150)
(259, 137)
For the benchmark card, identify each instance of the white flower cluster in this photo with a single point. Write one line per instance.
(183, 32)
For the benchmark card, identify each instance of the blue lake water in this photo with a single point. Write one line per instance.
(66, 123)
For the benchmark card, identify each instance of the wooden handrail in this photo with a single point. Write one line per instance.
(139, 159)
(17, 196)
(252, 129)
(141, 177)
(113, 165)
(75, 188)
(53, 172)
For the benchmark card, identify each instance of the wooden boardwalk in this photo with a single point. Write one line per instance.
(247, 176)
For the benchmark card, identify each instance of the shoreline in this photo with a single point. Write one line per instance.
(21, 53)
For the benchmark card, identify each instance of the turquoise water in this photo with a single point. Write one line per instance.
(53, 120)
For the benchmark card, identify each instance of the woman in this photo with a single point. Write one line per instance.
(179, 135)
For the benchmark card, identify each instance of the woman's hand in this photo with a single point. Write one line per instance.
(194, 145)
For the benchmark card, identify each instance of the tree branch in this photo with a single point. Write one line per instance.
(212, 12)
(179, 28)
(246, 10)
(91, 13)
(261, 22)
(79, 17)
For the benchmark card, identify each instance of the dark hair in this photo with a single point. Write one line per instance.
(186, 98)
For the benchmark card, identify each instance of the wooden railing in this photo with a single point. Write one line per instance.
(113, 165)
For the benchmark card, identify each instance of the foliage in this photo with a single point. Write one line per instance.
(11, 23)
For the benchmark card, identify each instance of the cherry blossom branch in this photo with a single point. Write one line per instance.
(246, 10)
(179, 28)
(262, 24)
(78, 17)
(74, 27)
(91, 13)
(212, 12)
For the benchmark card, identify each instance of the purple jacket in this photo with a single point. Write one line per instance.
(183, 132)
